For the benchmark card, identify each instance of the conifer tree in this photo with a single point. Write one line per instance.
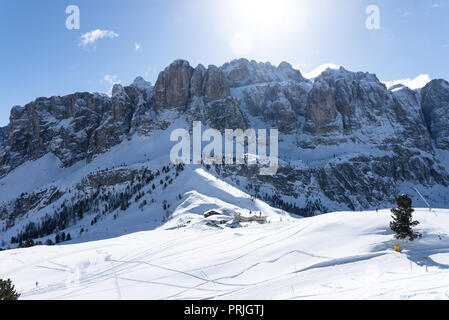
(403, 220)
(7, 291)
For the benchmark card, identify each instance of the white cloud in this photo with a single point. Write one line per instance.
(416, 83)
(435, 5)
(318, 70)
(137, 46)
(110, 80)
(89, 39)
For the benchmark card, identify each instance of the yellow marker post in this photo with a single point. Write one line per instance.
(397, 248)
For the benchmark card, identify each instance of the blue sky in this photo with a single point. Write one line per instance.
(39, 56)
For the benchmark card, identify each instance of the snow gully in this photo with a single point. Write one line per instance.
(212, 153)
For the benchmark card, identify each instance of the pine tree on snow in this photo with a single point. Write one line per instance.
(403, 220)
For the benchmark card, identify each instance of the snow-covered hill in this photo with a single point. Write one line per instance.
(133, 187)
(343, 255)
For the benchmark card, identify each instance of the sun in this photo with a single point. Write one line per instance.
(257, 21)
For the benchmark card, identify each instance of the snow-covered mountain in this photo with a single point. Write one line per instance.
(98, 166)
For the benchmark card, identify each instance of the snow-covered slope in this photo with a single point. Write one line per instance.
(119, 192)
(344, 255)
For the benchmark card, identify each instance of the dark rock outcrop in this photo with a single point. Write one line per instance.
(435, 106)
(74, 127)
(243, 72)
(3, 134)
(172, 88)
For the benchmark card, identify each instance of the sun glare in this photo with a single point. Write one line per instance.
(252, 20)
(261, 11)
(241, 44)
(266, 15)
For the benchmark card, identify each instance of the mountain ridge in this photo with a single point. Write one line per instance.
(346, 141)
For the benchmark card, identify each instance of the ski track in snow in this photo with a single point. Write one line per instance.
(341, 255)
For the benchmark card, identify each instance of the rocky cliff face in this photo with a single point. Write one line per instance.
(345, 137)
(61, 125)
(3, 134)
(243, 73)
(435, 107)
(344, 106)
(172, 89)
(74, 127)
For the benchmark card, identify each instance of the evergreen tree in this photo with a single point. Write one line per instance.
(29, 243)
(7, 291)
(402, 219)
